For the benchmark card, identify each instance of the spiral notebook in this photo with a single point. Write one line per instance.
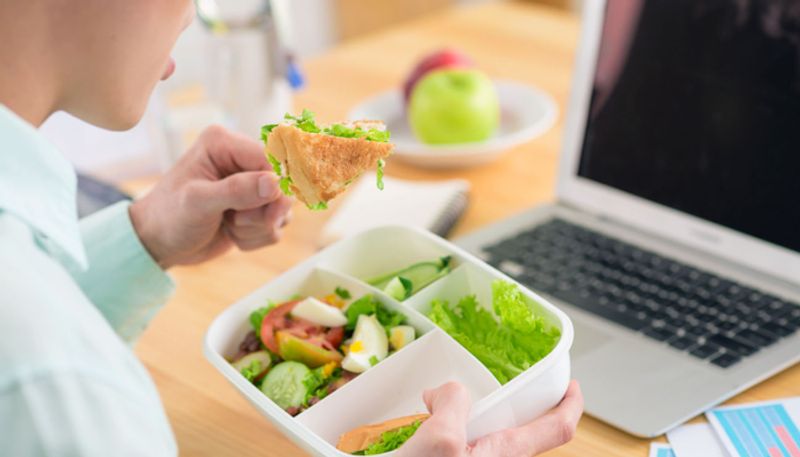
(432, 205)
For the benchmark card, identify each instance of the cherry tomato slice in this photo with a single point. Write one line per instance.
(279, 319)
(334, 336)
(276, 319)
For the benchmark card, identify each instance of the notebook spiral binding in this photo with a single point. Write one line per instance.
(447, 219)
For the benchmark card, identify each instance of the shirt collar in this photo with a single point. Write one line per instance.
(38, 185)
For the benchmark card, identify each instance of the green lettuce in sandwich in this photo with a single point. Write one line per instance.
(379, 438)
(317, 163)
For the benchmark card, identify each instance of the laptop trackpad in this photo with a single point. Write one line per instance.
(587, 339)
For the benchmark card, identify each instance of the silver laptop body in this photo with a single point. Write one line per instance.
(630, 380)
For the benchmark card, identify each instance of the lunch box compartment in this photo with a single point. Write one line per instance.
(517, 402)
(230, 329)
(376, 253)
(394, 387)
(469, 280)
(522, 399)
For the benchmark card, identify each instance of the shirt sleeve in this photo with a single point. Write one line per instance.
(123, 281)
(72, 413)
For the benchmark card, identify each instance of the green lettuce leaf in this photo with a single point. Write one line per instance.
(364, 305)
(507, 346)
(342, 293)
(509, 305)
(304, 122)
(284, 184)
(319, 206)
(381, 136)
(379, 172)
(257, 316)
(391, 440)
(343, 131)
(265, 131)
(316, 382)
(251, 371)
(389, 318)
(368, 305)
(276, 164)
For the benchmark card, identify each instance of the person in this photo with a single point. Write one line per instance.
(75, 295)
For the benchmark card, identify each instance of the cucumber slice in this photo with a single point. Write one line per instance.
(398, 288)
(284, 384)
(420, 274)
(254, 364)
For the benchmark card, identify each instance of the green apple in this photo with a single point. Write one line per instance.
(454, 106)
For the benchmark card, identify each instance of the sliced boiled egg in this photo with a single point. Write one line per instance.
(319, 313)
(401, 335)
(370, 345)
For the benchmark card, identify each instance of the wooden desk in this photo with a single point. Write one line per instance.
(517, 41)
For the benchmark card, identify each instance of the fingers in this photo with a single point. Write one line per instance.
(256, 228)
(444, 434)
(553, 429)
(449, 402)
(240, 191)
(232, 152)
(255, 219)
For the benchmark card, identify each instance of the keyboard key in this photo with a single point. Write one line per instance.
(791, 312)
(659, 333)
(725, 360)
(755, 338)
(683, 343)
(512, 269)
(705, 351)
(792, 324)
(726, 326)
(733, 345)
(775, 329)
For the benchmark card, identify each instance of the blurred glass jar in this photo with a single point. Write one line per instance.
(251, 72)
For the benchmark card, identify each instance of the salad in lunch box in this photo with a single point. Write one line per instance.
(304, 349)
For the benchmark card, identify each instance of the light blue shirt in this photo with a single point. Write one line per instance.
(74, 295)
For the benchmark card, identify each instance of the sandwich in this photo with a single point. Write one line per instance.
(318, 163)
(379, 438)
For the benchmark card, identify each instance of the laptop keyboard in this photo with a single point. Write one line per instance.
(707, 316)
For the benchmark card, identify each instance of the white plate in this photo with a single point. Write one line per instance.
(525, 113)
(394, 387)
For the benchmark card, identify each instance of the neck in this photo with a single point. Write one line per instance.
(29, 80)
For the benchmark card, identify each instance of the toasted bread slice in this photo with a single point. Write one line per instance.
(321, 165)
(362, 437)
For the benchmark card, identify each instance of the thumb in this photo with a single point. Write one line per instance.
(239, 191)
(450, 402)
(444, 434)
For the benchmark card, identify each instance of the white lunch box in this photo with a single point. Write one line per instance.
(394, 387)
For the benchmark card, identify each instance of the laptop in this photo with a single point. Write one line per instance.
(674, 240)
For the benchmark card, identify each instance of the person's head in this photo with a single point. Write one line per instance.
(111, 53)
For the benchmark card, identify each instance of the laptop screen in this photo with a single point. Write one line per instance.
(696, 106)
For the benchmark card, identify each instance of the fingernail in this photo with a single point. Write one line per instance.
(264, 186)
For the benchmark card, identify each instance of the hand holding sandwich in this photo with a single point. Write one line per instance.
(444, 433)
(221, 193)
